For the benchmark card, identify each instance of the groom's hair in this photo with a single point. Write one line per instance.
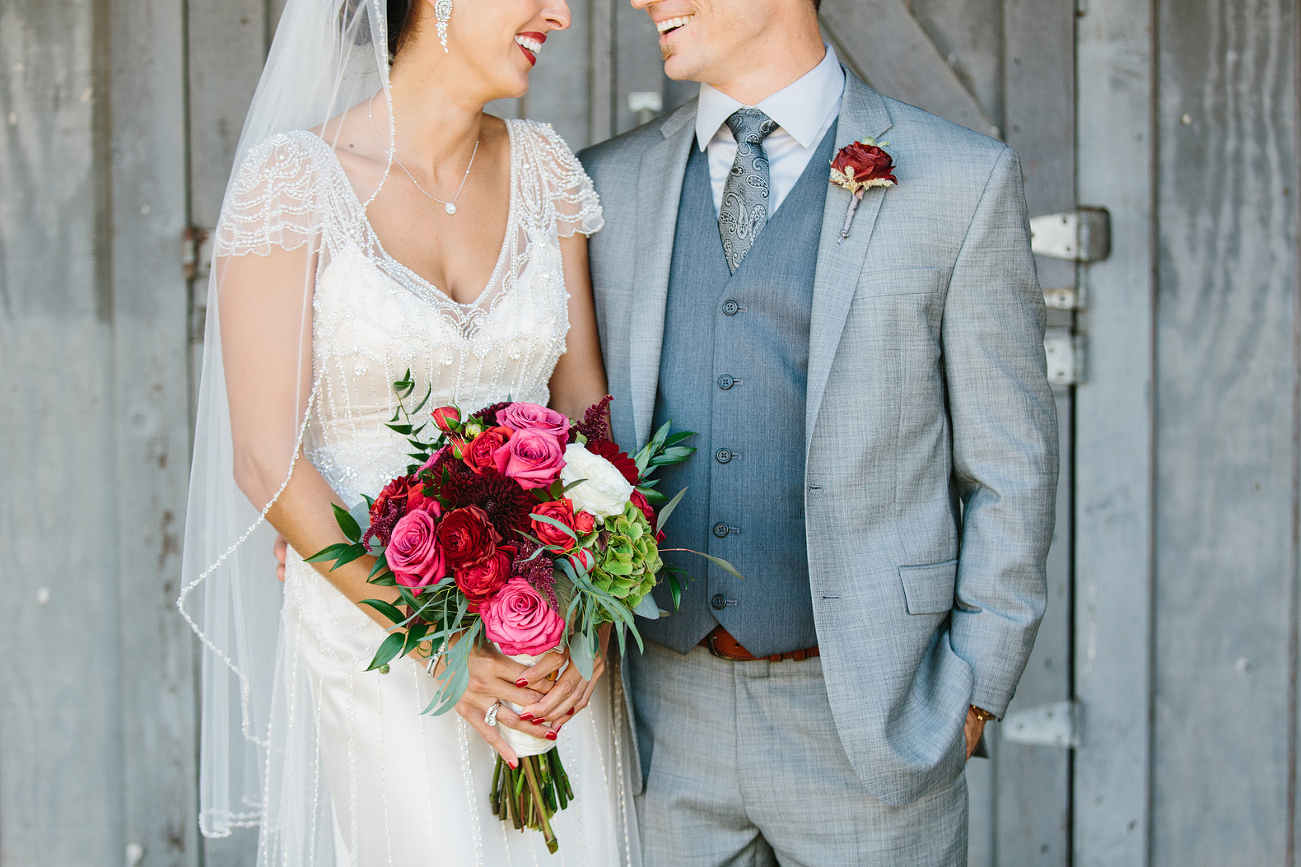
(817, 5)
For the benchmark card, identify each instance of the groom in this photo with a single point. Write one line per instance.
(878, 448)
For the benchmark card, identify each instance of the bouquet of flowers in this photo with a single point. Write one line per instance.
(515, 526)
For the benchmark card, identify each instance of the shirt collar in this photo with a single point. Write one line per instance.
(799, 108)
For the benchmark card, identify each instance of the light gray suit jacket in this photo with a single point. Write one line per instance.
(930, 433)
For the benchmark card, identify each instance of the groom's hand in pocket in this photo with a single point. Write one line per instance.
(494, 677)
(569, 693)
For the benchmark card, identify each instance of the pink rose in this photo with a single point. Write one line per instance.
(533, 459)
(521, 622)
(414, 553)
(531, 417)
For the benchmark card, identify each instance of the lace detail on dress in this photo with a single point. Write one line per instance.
(567, 198)
(275, 200)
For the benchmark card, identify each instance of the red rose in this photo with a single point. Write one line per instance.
(482, 581)
(561, 510)
(447, 418)
(479, 454)
(862, 162)
(639, 500)
(626, 466)
(467, 537)
(396, 492)
(584, 522)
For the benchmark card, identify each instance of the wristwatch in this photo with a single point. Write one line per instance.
(982, 714)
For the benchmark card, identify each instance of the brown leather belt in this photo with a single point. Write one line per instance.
(721, 643)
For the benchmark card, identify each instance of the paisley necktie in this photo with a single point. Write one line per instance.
(744, 211)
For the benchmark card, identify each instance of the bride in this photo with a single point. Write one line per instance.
(378, 222)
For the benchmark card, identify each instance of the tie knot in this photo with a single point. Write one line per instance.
(750, 125)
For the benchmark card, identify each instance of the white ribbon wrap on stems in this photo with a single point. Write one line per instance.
(523, 745)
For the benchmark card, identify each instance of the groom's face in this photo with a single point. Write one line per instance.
(712, 40)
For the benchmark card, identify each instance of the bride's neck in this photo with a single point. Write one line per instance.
(436, 127)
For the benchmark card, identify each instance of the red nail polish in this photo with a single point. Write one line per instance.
(514, 766)
(522, 682)
(551, 736)
(527, 717)
(571, 711)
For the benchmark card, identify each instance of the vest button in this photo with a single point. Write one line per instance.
(719, 602)
(721, 529)
(726, 381)
(723, 455)
(731, 308)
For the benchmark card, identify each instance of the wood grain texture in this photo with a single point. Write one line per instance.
(1226, 560)
(637, 62)
(60, 762)
(1113, 448)
(560, 82)
(151, 430)
(884, 43)
(1033, 817)
(968, 34)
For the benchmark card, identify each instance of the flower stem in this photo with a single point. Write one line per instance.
(849, 217)
(529, 766)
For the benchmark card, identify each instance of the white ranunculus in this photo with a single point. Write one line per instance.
(604, 491)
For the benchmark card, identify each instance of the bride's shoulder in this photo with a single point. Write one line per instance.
(542, 153)
(284, 158)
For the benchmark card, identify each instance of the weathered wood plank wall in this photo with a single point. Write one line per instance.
(97, 736)
(60, 754)
(1224, 667)
(1114, 434)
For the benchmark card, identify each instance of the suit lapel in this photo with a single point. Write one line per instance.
(863, 113)
(659, 189)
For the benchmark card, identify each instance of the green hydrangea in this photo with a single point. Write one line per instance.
(630, 559)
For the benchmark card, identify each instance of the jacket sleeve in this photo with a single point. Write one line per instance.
(1004, 425)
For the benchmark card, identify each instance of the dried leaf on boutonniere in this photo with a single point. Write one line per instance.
(858, 167)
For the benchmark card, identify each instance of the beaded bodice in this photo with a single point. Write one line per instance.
(373, 319)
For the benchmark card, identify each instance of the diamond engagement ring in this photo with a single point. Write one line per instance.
(490, 718)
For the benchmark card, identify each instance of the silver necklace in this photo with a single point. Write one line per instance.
(449, 207)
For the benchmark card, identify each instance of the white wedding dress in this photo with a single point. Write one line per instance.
(356, 774)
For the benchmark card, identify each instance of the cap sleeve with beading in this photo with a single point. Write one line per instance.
(275, 200)
(577, 207)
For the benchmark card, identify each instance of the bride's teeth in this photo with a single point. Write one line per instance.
(672, 23)
(531, 44)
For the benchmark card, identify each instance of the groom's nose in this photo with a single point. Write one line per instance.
(642, 4)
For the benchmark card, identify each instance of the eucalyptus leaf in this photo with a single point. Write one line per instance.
(547, 519)
(648, 609)
(581, 655)
(662, 516)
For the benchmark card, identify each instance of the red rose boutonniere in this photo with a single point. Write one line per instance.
(858, 167)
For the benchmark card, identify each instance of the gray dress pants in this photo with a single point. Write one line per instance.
(743, 766)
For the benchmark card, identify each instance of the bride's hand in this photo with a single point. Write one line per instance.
(570, 693)
(493, 677)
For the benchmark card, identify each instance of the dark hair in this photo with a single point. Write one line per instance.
(817, 5)
(400, 21)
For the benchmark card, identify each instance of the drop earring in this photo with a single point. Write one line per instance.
(442, 14)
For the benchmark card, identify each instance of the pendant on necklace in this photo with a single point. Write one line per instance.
(449, 208)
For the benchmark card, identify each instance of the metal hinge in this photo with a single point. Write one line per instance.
(196, 252)
(1049, 725)
(1082, 235)
(1062, 299)
(1065, 354)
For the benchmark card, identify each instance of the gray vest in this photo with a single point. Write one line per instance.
(734, 368)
